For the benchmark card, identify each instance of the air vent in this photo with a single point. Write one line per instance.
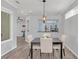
(17, 2)
(44, 0)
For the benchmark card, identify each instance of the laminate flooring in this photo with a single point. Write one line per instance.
(22, 52)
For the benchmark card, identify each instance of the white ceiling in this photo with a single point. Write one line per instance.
(36, 6)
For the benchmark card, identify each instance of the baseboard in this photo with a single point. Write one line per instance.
(71, 50)
(7, 51)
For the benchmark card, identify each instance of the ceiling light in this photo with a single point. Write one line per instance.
(17, 2)
(44, 16)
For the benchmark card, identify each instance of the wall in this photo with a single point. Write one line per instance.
(8, 45)
(19, 25)
(34, 24)
(71, 30)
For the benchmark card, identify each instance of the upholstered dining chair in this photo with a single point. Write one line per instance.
(63, 38)
(57, 47)
(46, 46)
(29, 40)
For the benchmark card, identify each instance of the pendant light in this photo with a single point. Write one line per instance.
(44, 16)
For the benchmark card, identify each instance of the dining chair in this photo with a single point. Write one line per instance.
(57, 47)
(63, 38)
(29, 40)
(46, 46)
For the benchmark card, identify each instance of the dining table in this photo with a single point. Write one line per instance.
(55, 41)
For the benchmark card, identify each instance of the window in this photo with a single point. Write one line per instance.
(5, 26)
(72, 12)
(49, 26)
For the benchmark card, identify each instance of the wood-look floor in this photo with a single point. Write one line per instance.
(22, 52)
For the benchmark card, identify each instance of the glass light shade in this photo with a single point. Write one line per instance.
(44, 17)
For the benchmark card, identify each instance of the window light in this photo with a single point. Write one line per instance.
(72, 12)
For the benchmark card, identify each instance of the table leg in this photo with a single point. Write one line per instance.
(61, 51)
(31, 51)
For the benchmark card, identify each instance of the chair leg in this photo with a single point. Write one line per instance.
(53, 52)
(50, 55)
(29, 52)
(40, 55)
(64, 51)
(40, 52)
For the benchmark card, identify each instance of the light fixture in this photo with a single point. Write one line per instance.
(17, 2)
(44, 16)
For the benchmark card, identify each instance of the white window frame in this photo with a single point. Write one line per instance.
(11, 23)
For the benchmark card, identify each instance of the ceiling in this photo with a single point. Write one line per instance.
(36, 6)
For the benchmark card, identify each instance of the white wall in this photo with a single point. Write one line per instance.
(34, 22)
(71, 30)
(7, 46)
(19, 25)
